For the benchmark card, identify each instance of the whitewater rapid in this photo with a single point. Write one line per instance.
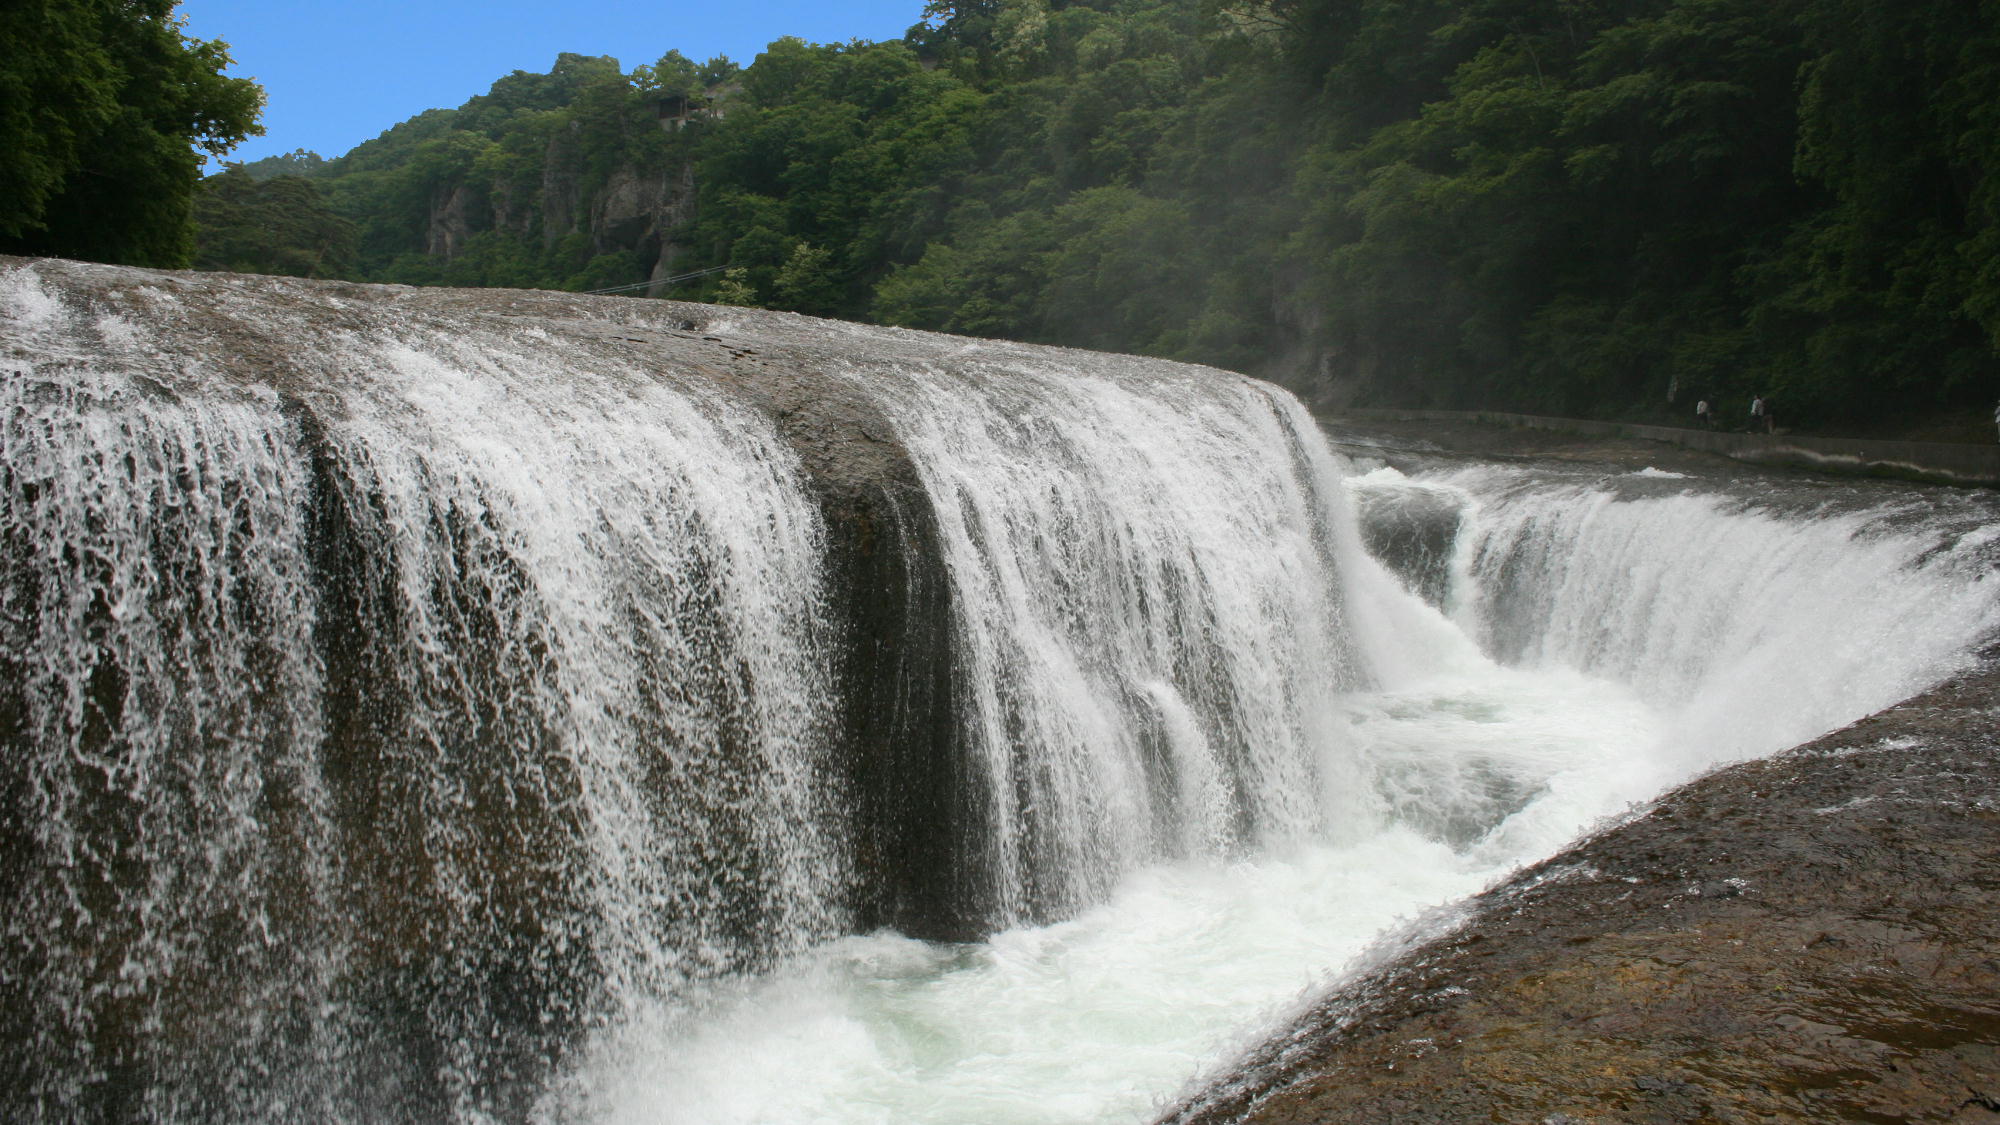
(1598, 638)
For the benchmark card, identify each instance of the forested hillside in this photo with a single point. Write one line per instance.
(1600, 207)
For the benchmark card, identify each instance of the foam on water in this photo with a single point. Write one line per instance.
(1093, 1019)
(1103, 1017)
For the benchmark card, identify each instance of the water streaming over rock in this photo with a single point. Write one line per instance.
(439, 706)
(1749, 616)
(1759, 616)
(1147, 621)
(357, 753)
(397, 692)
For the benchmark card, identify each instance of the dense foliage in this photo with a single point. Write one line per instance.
(1604, 207)
(103, 104)
(277, 224)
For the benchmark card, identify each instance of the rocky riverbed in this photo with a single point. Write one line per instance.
(1810, 937)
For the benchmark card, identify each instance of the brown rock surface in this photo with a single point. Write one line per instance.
(1811, 937)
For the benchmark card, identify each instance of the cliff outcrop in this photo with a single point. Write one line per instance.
(637, 209)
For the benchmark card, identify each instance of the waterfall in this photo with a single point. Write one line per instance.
(1758, 618)
(1147, 618)
(427, 705)
(168, 830)
(404, 691)
(1748, 618)
(356, 748)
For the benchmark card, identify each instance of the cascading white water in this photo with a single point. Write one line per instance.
(1747, 617)
(341, 756)
(1147, 615)
(649, 562)
(1467, 766)
(1151, 645)
(1756, 621)
(1751, 618)
(154, 629)
(444, 731)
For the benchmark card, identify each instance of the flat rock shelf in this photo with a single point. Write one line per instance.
(1810, 937)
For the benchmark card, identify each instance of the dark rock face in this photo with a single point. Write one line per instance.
(911, 805)
(1413, 533)
(1810, 937)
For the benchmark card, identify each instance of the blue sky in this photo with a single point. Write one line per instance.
(337, 74)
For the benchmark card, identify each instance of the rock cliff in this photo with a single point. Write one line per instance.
(635, 208)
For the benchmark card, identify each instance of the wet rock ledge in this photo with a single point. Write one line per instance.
(1811, 937)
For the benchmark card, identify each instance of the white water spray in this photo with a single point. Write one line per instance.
(1469, 766)
(1148, 614)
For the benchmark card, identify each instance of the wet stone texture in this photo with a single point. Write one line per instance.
(1812, 937)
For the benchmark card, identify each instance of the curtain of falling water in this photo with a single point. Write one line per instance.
(1147, 614)
(1757, 620)
(355, 754)
(168, 847)
(1750, 616)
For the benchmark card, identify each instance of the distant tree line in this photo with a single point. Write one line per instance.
(1591, 207)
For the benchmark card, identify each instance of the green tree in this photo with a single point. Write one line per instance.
(735, 289)
(674, 74)
(279, 225)
(103, 104)
(1574, 206)
(1891, 292)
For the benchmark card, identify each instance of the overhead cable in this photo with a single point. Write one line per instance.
(649, 284)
